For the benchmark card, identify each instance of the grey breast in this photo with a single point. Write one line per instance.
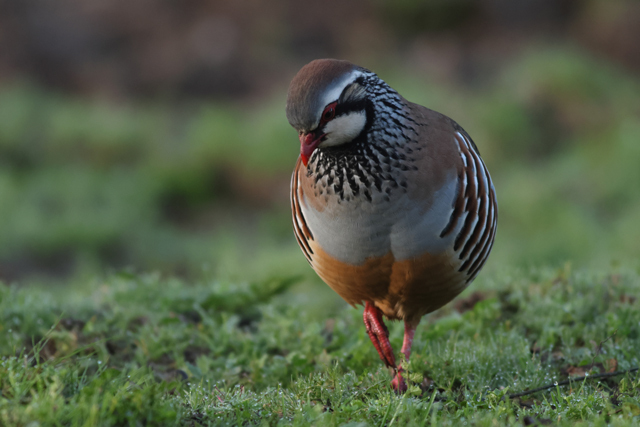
(359, 229)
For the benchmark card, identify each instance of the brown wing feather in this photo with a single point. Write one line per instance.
(475, 239)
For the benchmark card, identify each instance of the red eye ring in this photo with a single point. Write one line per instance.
(329, 113)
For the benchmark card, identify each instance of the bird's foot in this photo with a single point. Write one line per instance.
(379, 334)
(398, 383)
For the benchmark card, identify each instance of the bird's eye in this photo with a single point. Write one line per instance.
(329, 112)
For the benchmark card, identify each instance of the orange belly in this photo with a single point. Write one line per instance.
(406, 289)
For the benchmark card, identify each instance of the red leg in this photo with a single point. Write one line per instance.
(409, 332)
(398, 382)
(379, 334)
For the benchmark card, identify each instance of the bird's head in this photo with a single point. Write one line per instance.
(327, 105)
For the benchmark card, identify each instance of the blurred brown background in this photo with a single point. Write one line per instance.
(151, 134)
(231, 49)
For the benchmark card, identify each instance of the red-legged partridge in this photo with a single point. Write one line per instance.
(392, 205)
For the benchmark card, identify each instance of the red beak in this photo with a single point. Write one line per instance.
(308, 145)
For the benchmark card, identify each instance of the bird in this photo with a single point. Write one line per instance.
(392, 205)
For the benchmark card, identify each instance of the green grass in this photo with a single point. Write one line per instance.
(141, 350)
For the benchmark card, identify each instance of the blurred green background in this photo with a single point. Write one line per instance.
(151, 135)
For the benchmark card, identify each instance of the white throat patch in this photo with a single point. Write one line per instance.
(344, 128)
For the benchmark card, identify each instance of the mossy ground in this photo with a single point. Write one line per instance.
(141, 350)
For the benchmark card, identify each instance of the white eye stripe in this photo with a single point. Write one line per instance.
(334, 93)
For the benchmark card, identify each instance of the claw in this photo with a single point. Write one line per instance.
(398, 383)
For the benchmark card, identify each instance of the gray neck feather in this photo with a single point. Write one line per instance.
(373, 166)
